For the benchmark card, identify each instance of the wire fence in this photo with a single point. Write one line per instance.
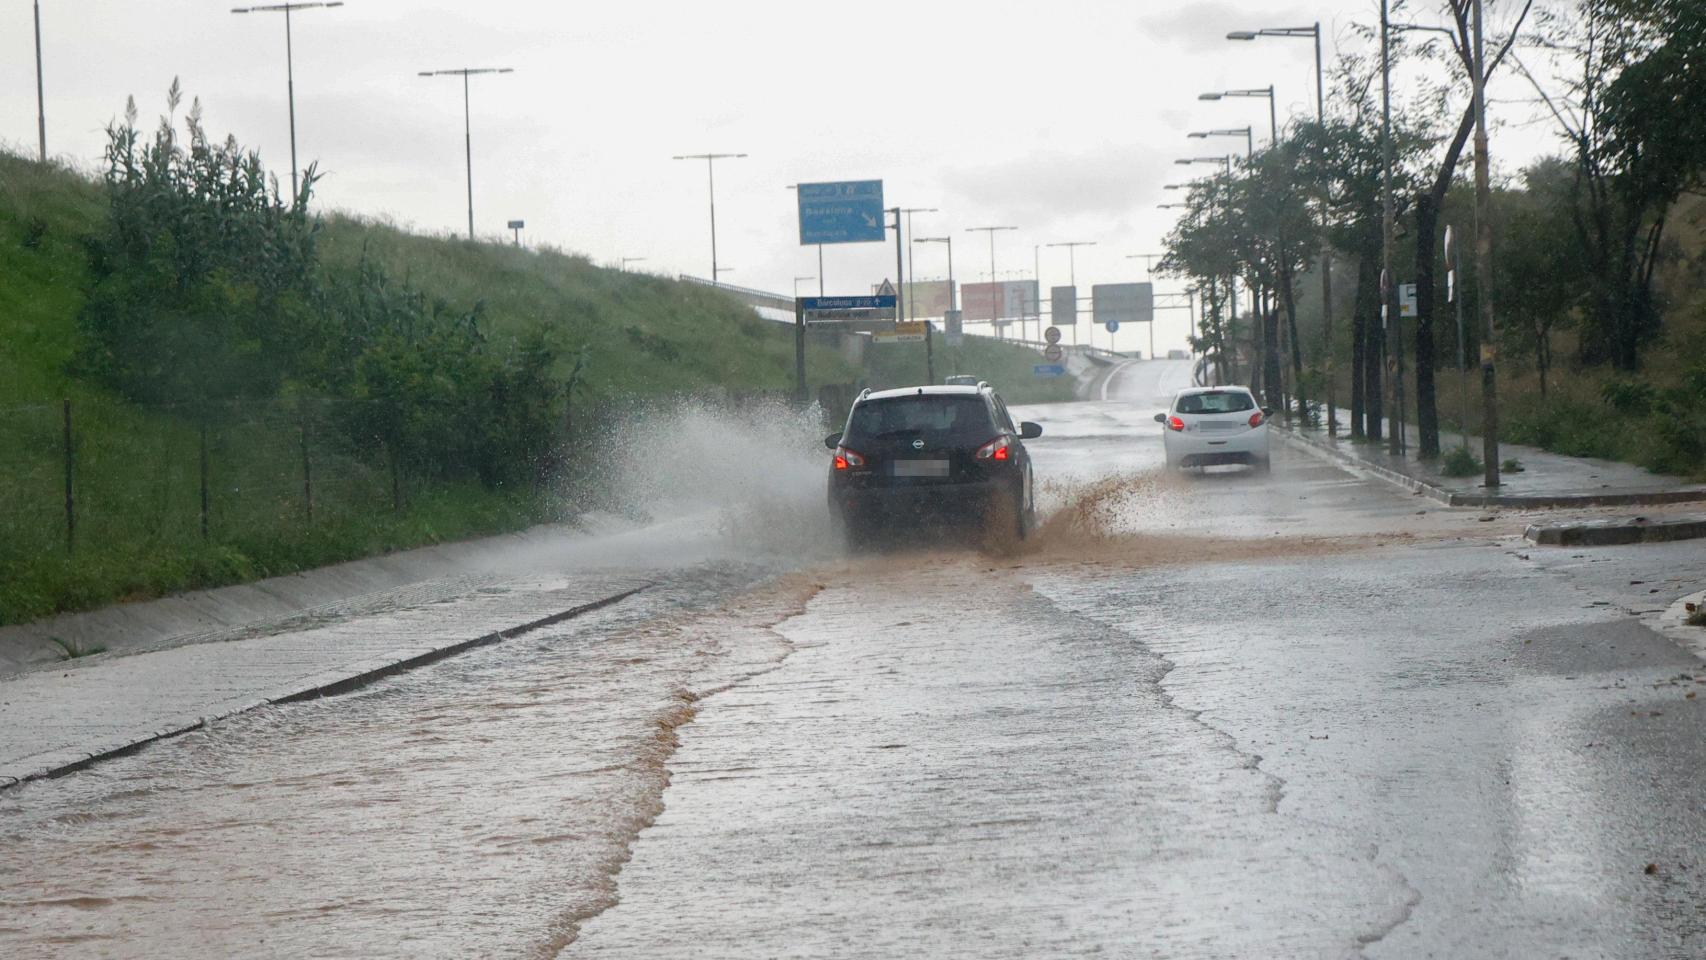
(87, 475)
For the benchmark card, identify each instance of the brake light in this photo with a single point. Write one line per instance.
(845, 458)
(998, 449)
(1174, 423)
(1255, 419)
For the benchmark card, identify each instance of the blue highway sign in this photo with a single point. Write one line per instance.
(1048, 370)
(846, 212)
(1113, 326)
(826, 309)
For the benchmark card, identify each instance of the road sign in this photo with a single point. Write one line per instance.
(847, 212)
(1116, 303)
(1063, 306)
(954, 326)
(1113, 326)
(1052, 335)
(837, 309)
(1052, 352)
(1406, 299)
(1048, 370)
(517, 224)
(1002, 302)
(904, 332)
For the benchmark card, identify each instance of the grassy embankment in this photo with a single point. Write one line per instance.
(137, 469)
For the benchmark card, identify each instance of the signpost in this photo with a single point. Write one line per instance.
(912, 331)
(1048, 370)
(1406, 299)
(955, 327)
(1116, 303)
(1052, 335)
(1063, 307)
(846, 212)
(843, 309)
(1052, 352)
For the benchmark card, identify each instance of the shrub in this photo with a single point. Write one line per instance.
(1459, 462)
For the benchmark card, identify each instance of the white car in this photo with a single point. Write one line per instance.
(1205, 426)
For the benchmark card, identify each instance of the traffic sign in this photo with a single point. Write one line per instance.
(1063, 306)
(1052, 334)
(1113, 326)
(1052, 352)
(1112, 303)
(1406, 299)
(1048, 370)
(846, 212)
(836, 309)
(911, 332)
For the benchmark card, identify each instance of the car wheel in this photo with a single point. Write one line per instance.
(1026, 518)
(1263, 465)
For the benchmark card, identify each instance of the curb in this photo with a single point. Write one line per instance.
(1603, 533)
(1673, 623)
(1452, 498)
(321, 685)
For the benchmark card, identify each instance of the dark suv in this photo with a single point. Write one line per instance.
(926, 452)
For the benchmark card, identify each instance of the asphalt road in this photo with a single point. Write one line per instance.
(1216, 715)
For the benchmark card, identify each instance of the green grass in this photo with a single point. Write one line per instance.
(136, 469)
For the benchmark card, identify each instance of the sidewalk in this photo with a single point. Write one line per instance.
(56, 720)
(1546, 480)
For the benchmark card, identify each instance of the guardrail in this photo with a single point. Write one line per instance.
(758, 298)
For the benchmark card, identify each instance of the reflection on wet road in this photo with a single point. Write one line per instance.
(1199, 716)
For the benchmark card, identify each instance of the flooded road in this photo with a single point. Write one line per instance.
(1209, 716)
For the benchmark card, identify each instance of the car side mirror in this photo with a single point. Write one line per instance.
(1161, 418)
(832, 441)
(1267, 411)
(1029, 430)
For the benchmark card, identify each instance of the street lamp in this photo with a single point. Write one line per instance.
(711, 175)
(1245, 132)
(994, 306)
(911, 306)
(1313, 32)
(289, 69)
(1172, 206)
(1267, 92)
(467, 123)
(797, 285)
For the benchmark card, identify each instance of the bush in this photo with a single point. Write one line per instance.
(1459, 462)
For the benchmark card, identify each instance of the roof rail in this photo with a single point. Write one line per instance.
(862, 394)
(983, 384)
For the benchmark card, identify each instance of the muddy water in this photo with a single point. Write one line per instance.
(479, 807)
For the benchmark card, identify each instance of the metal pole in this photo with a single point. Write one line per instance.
(468, 146)
(1462, 350)
(911, 308)
(41, 102)
(1326, 253)
(1484, 267)
(820, 270)
(953, 299)
(70, 501)
(711, 176)
(1388, 239)
(290, 91)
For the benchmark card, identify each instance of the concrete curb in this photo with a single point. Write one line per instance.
(326, 684)
(1621, 530)
(1673, 623)
(1453, 498)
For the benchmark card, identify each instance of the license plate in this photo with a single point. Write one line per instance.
(921, 468)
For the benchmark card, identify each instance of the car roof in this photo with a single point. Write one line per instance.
(1229, 388)
(931, 391)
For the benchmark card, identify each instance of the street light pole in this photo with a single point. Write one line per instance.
(1484, 266)
(289, 69)
(467, 123)
(41, 102)
(1388, 235)
(711, 177)
(1314, 33)
(994, 305)
(911, 305)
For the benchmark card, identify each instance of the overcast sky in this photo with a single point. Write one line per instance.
(1062, 119)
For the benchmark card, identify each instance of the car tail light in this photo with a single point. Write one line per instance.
(845, 458)
(1174, 423)
(1255, 419)
(998, 449)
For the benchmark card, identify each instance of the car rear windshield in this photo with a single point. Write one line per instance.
(1231, 401)
(964, 418)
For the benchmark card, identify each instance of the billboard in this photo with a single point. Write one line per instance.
(1063, 306)
(1002, 302)
(1123, 302)
(925, 298)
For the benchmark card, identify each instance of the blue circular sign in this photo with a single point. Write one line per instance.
(1113, 326)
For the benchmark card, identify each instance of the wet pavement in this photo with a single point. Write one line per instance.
(1207, 715)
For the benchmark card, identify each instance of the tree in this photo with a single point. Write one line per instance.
(1633, 110)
